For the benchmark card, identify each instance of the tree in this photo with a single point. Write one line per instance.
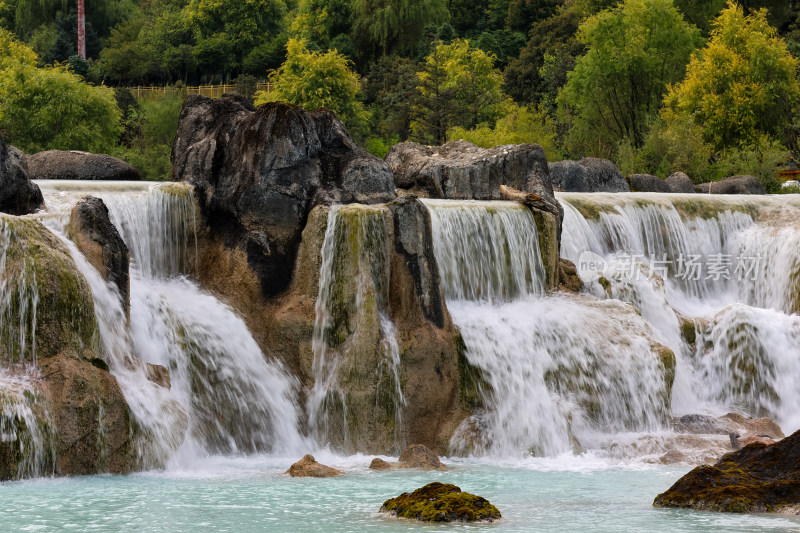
(459, 86)
(741, 86)
(52, 108)
(633, 51)
(321, 21)
(315, 79)
(391, 91)
(395, 25)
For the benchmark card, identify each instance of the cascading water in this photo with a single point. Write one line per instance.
(551, 374)
(221, 386)
(18, 301)
(352, 303)
(730, 266)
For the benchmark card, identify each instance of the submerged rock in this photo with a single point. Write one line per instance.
(258, 173)
(733, 185)
(98, 239)
(460, 170)
(589, 174)
(76, 165)
(419, 456)
(758, 478)
(380, 464)
(18, 196)
(648, 183)
(681, 183)
(440, 502)
(309, 467)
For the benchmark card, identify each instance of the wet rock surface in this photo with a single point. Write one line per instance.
(758, 478)
(18, 195)
(309, 467)
(259, 172)
(440, 502)
(588, 174)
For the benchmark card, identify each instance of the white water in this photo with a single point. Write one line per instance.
(19, 298)
(744, 299)
(25, 422)
(555, 382)
(355, 235)
(222, 386)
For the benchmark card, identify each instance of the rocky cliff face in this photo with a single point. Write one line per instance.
(18, 196)
(259, 172)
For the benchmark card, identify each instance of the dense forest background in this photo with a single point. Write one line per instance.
(709, 87)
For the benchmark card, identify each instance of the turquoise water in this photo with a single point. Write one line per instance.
(252, 494)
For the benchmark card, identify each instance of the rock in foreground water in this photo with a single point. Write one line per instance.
(758, 478)
(309, 467)
(440, 502)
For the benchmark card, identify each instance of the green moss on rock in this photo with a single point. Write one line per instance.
(440, 502)
(758, 478)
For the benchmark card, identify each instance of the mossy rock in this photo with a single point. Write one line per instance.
(48, 299)
(758, 478)
(441, 502)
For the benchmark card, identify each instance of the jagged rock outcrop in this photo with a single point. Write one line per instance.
(81, 411)
(681, 183)
(460, 170)
(648, 183)
(98, 239)
(440, 502)
(758, 478)
(18, 195)
(259, 172)
(588, 174)
(309, 467)
(733, 185)
(77, 165)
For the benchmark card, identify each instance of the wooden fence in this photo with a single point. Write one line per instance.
(212, 91)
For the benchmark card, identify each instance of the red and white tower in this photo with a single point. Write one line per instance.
(81, 29)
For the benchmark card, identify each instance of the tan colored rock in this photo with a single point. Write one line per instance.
(568, 278)
(420, 456)
(747, 426)
(309, 467)
(158, 375)
(380, 464)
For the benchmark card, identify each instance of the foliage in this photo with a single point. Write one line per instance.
(153, 123)
(458, 86)
(395, 24)
(315, 79)
(321, 20)
(522, 125)
(46, 108)
(391, 91)
(633, 51)
(741, 86)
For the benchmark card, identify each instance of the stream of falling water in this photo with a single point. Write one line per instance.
(355, 244)
(728, 267)
(224, 396)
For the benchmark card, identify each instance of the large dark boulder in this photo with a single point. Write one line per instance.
(733, 185)
(76, 165)
(18, 196)
(259, 172)
(589, 174)
(98, 239)
(459, 170)
(758, 478)
(648, 183)
(681, 183)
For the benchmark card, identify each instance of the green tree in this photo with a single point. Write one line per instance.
(52, 108)
(315, 79)
(524, 124)
(391, 91)
(395, 25)
(458, 86)
(321, 21)
(633, 51)
(742, 86)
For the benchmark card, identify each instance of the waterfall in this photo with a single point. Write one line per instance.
(728, 265)
(353, 303)
(553, 379)
(18, 301)
(222, 387)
